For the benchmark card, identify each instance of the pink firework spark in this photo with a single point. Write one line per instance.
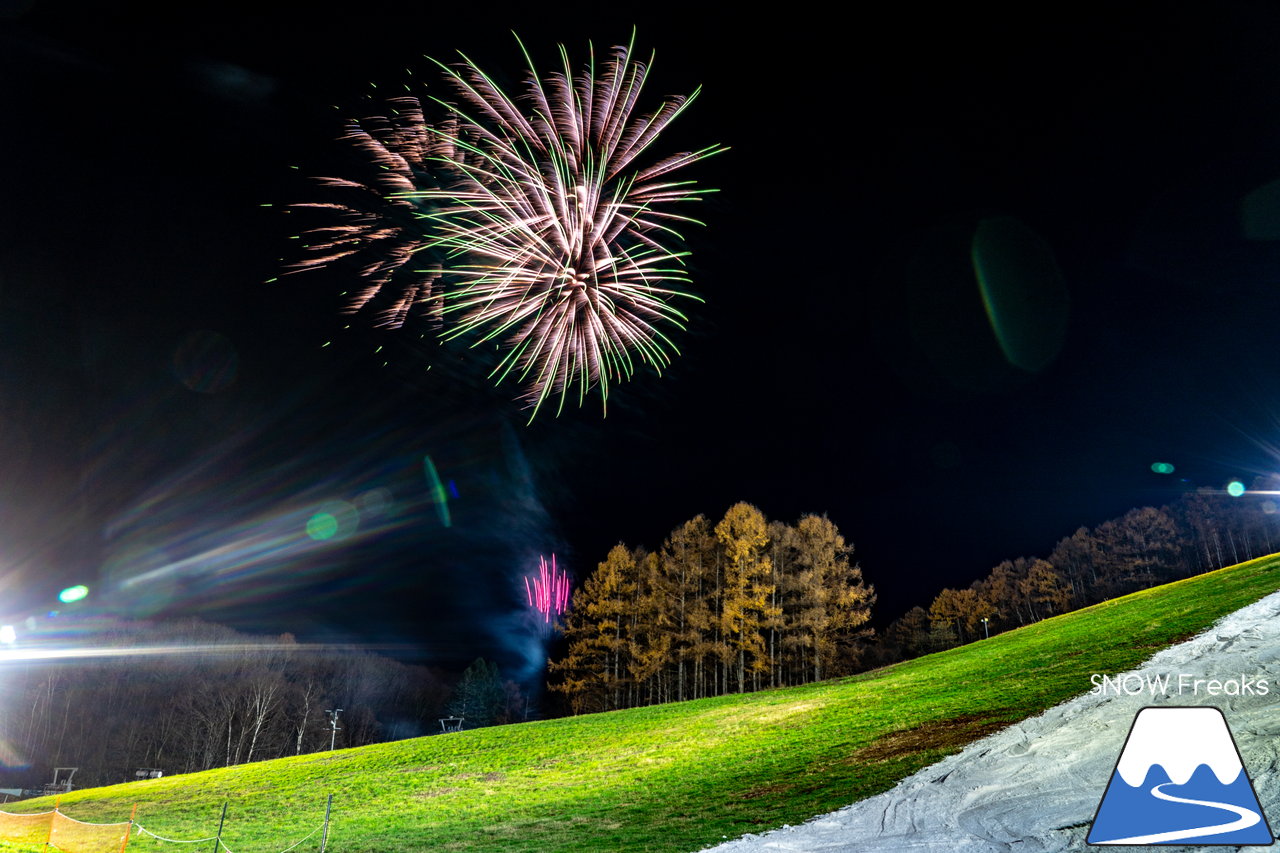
(548, 591)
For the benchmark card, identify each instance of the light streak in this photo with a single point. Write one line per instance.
(549, 590)
(22, 655)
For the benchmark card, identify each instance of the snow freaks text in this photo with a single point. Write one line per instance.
(1182, 684)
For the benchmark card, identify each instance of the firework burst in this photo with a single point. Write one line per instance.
(537, 223)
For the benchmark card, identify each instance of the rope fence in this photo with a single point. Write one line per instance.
(310, 836)
(26, 828)
(144, 831)
(55, 831)
(78, 836)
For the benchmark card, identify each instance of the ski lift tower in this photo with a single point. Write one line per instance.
(451, 724)
(61, 783)
(332, 717)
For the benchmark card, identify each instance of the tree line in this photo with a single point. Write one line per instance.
(482, 697)
(738, 605)
(223, 698)
(1145, 547)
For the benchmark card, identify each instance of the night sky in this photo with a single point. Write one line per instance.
(169, 421)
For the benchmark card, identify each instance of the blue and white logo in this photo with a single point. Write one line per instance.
(1180, 780)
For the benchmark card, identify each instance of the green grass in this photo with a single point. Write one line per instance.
(674, 777)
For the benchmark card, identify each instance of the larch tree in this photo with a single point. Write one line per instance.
(952, 609)
(842, 606)
(1002, 589)
(1075, 559)
(910, 633)
(650, 637)
(1044, 590)
(687, 557)
(743, 533)
(737, 606)
(786, 640)
(594, 670)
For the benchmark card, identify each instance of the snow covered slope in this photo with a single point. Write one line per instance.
(1035, 786)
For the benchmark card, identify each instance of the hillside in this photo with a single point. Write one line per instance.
(674, 777)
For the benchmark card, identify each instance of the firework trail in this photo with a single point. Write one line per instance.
(548, 591)
(537, 223)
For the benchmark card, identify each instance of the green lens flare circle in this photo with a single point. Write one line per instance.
(334, 520)
(322, 526)
(73, 593)
(1235, 488)
(1162, 467)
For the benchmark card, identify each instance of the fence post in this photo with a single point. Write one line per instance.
(324, 836)
(218, 841)
(129, 831)
(49, 838)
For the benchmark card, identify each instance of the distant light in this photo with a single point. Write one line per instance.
(1162, 467)
(1235, 488)
(8, 634)
(73, 593)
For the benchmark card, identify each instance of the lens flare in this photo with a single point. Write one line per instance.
(10, 757)
(1235, 488)
(333, 519)
(438, 495)
(73, 593)
(1023, 291)
(322, 526)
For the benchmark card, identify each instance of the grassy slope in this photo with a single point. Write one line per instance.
(675, 777)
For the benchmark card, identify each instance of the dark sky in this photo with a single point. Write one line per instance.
(169, 422)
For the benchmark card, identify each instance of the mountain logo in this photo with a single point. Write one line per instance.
(1180, 780)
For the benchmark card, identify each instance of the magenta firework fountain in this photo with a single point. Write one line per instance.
(548, 591)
